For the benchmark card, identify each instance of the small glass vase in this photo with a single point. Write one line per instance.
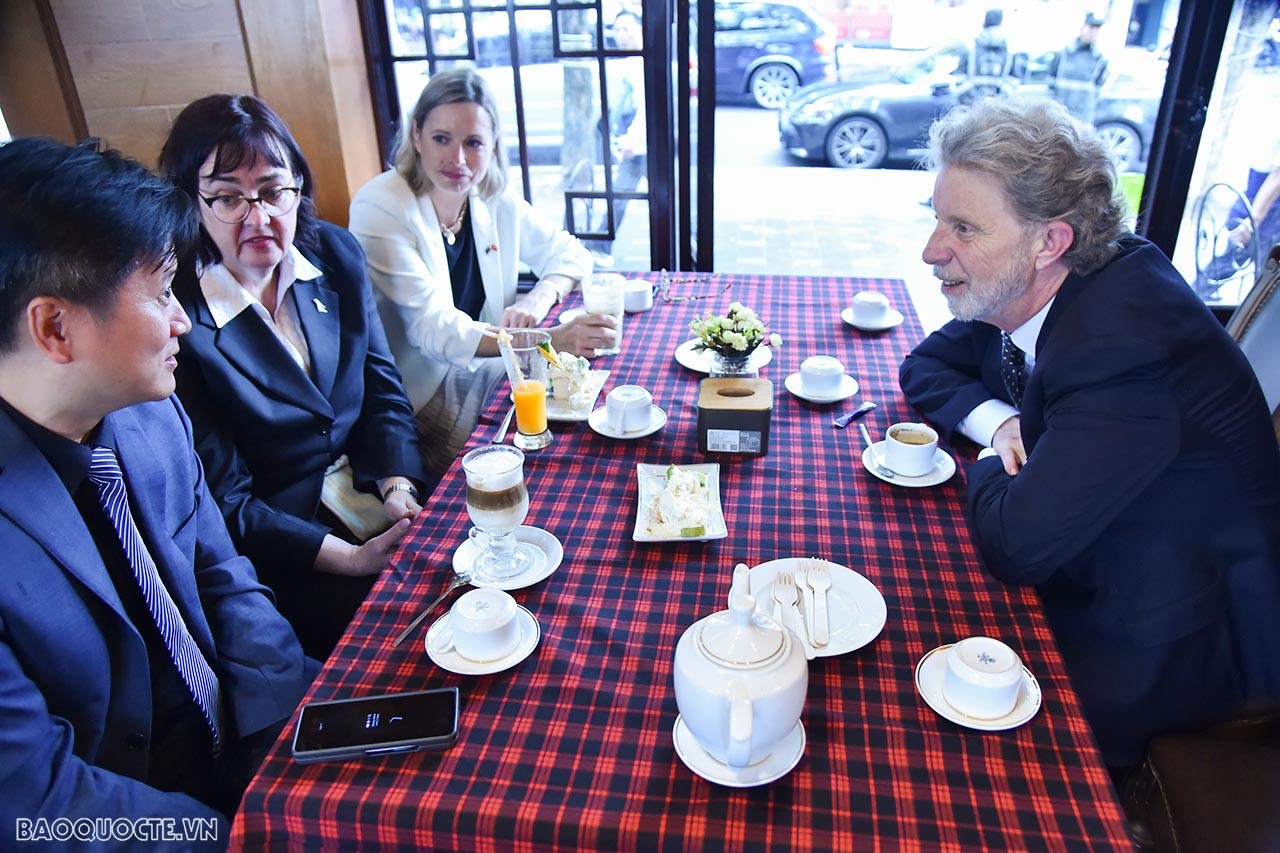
(736, 366)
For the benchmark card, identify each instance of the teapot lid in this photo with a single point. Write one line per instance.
(738, 636)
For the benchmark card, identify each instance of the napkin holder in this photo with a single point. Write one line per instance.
(734, 416)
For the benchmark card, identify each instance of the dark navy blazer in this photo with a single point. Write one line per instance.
(1148, 513)
(75, 685)
(266, 431)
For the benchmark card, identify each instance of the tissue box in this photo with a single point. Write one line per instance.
(734, 415)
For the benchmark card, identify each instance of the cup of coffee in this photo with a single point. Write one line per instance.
(482, 626)
(637, 295)
(497, 503)
(983, 678)
(909, 449)
(626, 408)
(820, 375)
(870, 308)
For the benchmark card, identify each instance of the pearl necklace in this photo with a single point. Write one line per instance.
(450, 232)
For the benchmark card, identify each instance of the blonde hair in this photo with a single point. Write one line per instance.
(1050, 166)
(456, 86)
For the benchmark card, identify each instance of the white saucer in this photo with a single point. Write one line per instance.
(848, 387)
(929, 675)
(778, 763)
(893, 317)
(700, 360)
(530, 632)
(541, 540)
(598, 422)
(570, 314)
(943, 469)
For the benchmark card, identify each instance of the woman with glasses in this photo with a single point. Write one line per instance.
(286, 368)
(445, 238)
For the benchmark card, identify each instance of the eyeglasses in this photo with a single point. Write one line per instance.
(665, 281)
(274, 201)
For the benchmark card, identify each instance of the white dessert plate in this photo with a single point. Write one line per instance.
(541, 540)
(892, 317)
(773, 767)
(600, 423)
(559, 410)
(653, 479)
(856, 611)
(701, 360)
(943, 469)
(530, 632)
(848, 387)
(930, 673)
(570, 314)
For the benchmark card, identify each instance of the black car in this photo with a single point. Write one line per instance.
(878, 115)
(767, 49)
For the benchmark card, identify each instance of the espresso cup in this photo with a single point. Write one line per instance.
(626, 408)
(983, 678)
(482, 626)
(637, 296)
(870, 308)
(909, 449)
(821, 375)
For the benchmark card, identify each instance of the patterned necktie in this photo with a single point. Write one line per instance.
(104, 472)
(1012, 364)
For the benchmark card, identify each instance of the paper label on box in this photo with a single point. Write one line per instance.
(733, 441)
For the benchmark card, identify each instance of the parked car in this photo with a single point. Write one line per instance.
(877, 115)
(768, 49)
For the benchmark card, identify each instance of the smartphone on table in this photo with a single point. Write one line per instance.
(376, 725)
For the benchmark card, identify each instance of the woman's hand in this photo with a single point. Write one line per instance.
(342, 558)
(531, 308)
(585, 334)
(400, 505)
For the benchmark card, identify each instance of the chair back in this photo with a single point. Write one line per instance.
(1256, 327)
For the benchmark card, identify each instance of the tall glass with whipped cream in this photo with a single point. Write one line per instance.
(497, 503)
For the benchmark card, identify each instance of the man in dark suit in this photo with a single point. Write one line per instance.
(1131, 473)
(143, 668)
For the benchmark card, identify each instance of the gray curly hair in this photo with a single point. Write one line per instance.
(1050, 167)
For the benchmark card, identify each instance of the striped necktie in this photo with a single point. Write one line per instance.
(1012, 364)
(104, 472)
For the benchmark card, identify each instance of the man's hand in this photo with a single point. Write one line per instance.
(1007, 442)
(585, 334)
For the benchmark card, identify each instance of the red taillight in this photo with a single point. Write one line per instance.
(825, 44)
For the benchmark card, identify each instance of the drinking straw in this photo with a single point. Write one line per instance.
(509, 359)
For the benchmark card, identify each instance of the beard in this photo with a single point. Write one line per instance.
(979, 301)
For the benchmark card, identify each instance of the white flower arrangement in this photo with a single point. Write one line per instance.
(736, 334)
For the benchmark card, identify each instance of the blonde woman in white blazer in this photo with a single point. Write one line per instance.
(445, 238)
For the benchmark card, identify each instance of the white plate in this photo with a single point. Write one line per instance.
(598, 422)
(530, 632)
(848, 387)
(570, 314)
(943, 469)
(652, 480)
(892, 318)
(541, 540)
(856, 611)
(773, 767)
(701, 360)
(929, 675)
(558, 410)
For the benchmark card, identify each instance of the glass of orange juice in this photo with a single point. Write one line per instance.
(530, 397)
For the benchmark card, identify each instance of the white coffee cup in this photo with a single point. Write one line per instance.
(821, 375)
(909, 449)
(637, 295)
(983, 678)
(626, 408)
(482, 626)
(870, 308)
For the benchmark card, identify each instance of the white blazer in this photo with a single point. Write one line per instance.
(400, 234)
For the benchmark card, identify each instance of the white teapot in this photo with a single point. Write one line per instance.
(740, 680)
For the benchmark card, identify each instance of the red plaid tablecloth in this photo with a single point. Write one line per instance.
(573, 748)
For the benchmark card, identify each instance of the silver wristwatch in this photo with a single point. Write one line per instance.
(400, 487)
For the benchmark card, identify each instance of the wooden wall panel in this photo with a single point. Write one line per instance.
(31, 95)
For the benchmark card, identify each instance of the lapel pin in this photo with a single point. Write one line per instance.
(492, 247)
(319, 305)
